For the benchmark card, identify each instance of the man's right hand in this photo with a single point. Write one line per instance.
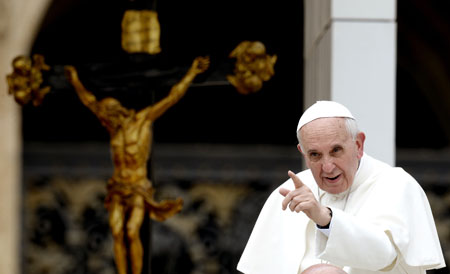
(302, 199)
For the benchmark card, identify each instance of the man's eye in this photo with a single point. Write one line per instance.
(314, 155)
(337, 149)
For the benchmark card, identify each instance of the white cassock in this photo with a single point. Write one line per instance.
(383, 223)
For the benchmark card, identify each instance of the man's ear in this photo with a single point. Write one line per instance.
(304, 155)
(299, 148)
(360, 138)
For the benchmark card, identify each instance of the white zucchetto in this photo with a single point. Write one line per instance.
(324, 109)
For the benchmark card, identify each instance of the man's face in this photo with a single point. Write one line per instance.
(331, 153)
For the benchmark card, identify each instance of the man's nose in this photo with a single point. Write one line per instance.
(328, 164)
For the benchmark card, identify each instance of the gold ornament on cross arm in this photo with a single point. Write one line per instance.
(141, 32)
(253, 67)
(26, 79)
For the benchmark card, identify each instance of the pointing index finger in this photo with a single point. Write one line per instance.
(297, 182)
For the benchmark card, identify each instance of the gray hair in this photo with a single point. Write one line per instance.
(351, 125)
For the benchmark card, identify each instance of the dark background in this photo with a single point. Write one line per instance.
(87, 34)
(423, 69)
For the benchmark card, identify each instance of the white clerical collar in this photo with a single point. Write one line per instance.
(361, 174)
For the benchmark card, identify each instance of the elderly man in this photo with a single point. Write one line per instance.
(348, 209)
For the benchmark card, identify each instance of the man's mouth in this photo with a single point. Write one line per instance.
(333, 179)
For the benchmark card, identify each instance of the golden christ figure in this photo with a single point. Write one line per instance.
(130, 191)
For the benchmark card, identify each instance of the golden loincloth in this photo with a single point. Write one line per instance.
(158, 211)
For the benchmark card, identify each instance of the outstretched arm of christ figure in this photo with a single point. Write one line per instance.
(107, 110)
(199, 65)
(86, 97)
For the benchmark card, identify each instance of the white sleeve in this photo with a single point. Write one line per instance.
(325, 231)
(356, 243)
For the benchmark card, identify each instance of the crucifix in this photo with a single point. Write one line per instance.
(130, 191)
